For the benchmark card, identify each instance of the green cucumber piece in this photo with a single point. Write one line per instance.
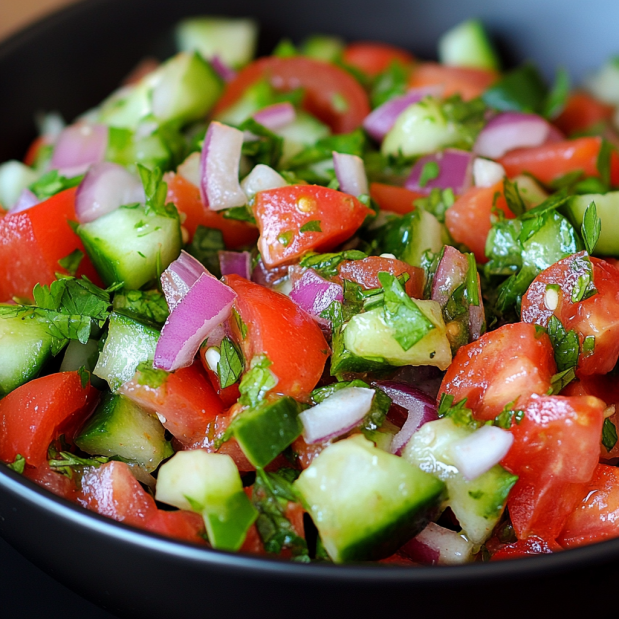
(128, 150)
(232, 40)
(607, 206)
(265, 431)
(367, 336)
(130, 246)
(129, 342)
(25, 345)
(78, 355)
(14, 178)
(477, 504)
(322, 47)
(365, 502)
(422, 128)
(344, 362)
(301, 133)
(530, 191)
(209, 484)
(604, 83)
(119, 427)
(467, 45)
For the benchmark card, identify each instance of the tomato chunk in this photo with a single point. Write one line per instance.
(555, 452)
(365, 273)
(186, 197)
(596, 317)
(277, 328)
(186, 400)
(581, 112)
(330, 93)
(503, 366)
(596, 518)
(468, 220)
(53, 481)
(465, 81)
(300, 218)
(36, 413)
(373, 57)
(395, 199)
(525, 548)
(33, 241)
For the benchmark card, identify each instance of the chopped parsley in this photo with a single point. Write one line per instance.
(591, 227)
(230, 365)
(257, 382)
(609, 434)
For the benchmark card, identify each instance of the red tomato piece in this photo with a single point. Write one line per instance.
(305, 454)
(36, 413)
(33, 150)
(465, 81)
(330, 93)
(47, 478)
(284, 333)
(285, 214)
(525, 548)
(597, 316)
(365, 273)
(186, 400)
(181, 524)
(555, 451)
(503, 366)
(33, 241)
(468, 220)
(373, 58)
(596, 518)
(395, 199)
(186, 197)
(581, 112)
(230, 394)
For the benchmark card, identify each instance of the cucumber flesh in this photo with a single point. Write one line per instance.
(126, 149)
(302, 132)
(119, 427)
(467, 45)
(604, 84)
(14, 178)
(607, 206)
(365, 502)
(323, 47)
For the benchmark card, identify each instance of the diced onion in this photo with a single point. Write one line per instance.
(235, 263)
(26, 200)
(437, 545)
(276, 116)
(350, 174)
(179, 277)
(78, 147)
(487, 173)
(261, 178)
(314, 294)
(454, 172)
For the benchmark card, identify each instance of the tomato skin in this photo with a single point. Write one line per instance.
(365, 273)
(502, 366)
(525, 548)
(373, 57)
(33, 415)
(281, 213)
(581, 112)
(187, 400)
(465, 81)
(47, 478)
(278, 328)
(395, 199)
(186, 197)
(468, 220)
(322, 83)
(596, 517)
(597, 316)
(33, 241)
(555, 452)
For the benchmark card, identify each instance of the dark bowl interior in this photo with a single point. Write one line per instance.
(69, 63)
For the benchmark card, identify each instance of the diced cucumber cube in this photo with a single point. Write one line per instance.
(467, 45)
(607, 206)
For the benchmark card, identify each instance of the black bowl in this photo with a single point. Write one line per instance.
(70, 62)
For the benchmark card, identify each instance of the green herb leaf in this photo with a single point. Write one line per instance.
(156, 191)
(70, 460)
(512, 197)
(267, 148)
(458, 412)
(604, 160)
(84, 375)
(588, 345)
(429, 172)
(327, 264)
(507, 416)
(52, 183)
(205, 247)
(147, 375)
(559, 381)
(520, 90)
(591, 227)
(550, 204)
(239, 213)
(311, 226)
(609, 434)
(472, 286)
(71, 263)
(230, 366)
(18, 465)
(402, 314)
(242, 327)
(565, 344)
(393, 82)
(147, 305)
(557, 97)
(257, 382)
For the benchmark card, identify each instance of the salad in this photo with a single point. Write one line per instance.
(335, 304)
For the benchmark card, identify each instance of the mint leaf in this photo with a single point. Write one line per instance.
(71, 263)
(591, 227)
(557, 97)
(205, 247)
(230, 366)
(609, 434)
(429, 172)
(267, 148)
(257, 382)
(560, 380)
(18, 465)
(52, 183)
(239, 213)
(565, 344)
(327, 264)
(311, 226)
(84, 375)
(145, 304)
(458, 412)
(513, 198)
(520, 90)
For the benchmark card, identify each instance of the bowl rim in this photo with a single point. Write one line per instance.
(28, 491)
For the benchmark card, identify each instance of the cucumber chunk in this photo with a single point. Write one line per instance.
(119, 427)
(477, 504)
(209, 484)
(129, 246)
(368, 336)
(608, 211)
(25, 345)
(126, 149)
(467, 45)
(322, 47)
(366, 503)
(14, 178)
(129, 343)
(302, 132)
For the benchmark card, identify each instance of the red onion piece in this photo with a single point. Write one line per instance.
(269, 278)
(235, 263)
(337, 414)
(78, 147)
(179, 277)
(455, 172)
(511, 130)
(26, 200)
(106, 187)
(219, 168)
(437, 545)
(314, 294)
(380, 121)
(350, 174)
(205, 306)
(426, 378)
(477, 453)
(420, 406)
(261, 178)
(226, 73)
(276, 116)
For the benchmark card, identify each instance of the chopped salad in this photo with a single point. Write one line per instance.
(335, 304)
